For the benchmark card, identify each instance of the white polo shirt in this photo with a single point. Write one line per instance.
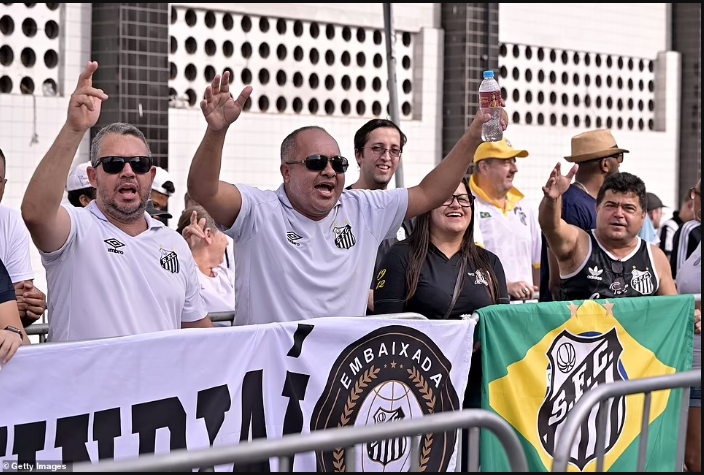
(512, 233)
(291, 268)
(104, 283)
(14, 245)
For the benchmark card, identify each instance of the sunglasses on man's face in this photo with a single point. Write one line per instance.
(318, 163)
(115, 165)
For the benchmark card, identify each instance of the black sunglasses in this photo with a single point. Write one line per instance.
(617, 268)
(114, 165)
(317, 163)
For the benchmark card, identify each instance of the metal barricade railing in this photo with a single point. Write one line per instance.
(330, 439)
(601, 394)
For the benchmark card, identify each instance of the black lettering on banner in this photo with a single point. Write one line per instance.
(299, 337)
(106, 428)
(3, 441)
(212, 405)
(71, 436)
(150, 416)
(29, 439)
(253, 417)
(295, 390)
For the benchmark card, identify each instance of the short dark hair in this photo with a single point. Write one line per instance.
(625, 183)
(74, 196)
(362, 135)
(288, 146)
(4, 162)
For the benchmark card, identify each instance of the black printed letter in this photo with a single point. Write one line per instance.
(71, 436)
(29, 439)
(253, 416)
(150, 416)
(212, 405)
(106, 428)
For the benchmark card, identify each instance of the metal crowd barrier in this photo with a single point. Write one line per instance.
(288, 446)
(601, 394)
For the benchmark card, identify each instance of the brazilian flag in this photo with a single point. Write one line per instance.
(539, 359)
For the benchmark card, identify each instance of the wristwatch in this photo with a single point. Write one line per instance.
(15, 330)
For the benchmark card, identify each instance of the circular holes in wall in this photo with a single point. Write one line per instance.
(329, 107)
(377, 37)
(575, 79)
(609, 103)
(529, 118)
(587, 61)
(264, 50)
(298, 28)
(376, 108)
(281, 29)
(376, 84)
(553, 77)
(246, 75)
(191, 45)
(191, 17)
(246, 50)
(565, 120)
(516, 74)
(281, 78)
(378, 60)
(345, 58)
(406, 108)
(7, 56)
(7, 26)
(587, 122)
(263, 76)
(529, 52)
(28, 57)
(329, 82)
(314, 31)
(361, 108)
(565, 59)
(210, 48)
(227, 22)
(264, 24)
(361, 35)
(51, 28)
(51, 59)
(29, 27)
(298, 53)
(407, 86)
(541, 97)
(541, 76)
(619, 123)
(297, 79)
(516, 118)
(406, 39)
(281, 52)
(651, 105)
(575, 59)
(361, 59)
(173, 71)
(297, 105)
(314, 56)
(406, 62)
(630, 124)
(587, 80)
(228, 48)
(191, 72)
(609, 63)
(565, 78)
(576, 100)
(361, 83)
(565, 99)
(576, 121)
(553, 98)
(330, 32)
(210, 19)
(52, 6)
(346, 33)
(516, 52)
(541, 118)
(174, 45)
(529, 75)
(609, 81)
(329, 57)
(209, 73)
(248, 104)
(346, 82)
(651, 124)
(246, 24)
(281, 104)
(49, 87)
(503, 72)
(503, 51)
(528, 97)
(27, 85)
(313, 81)
(541, 54)
(313, 106)
(263, 103)
(587, 101)
(609, 122)
(516, 95)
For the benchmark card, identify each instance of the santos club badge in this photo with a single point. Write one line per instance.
(391, 374)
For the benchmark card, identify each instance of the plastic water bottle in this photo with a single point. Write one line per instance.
(490, 103)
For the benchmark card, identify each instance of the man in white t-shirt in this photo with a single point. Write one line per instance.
(112, 270)
(509, 227)
(14, 253)
(307, 250)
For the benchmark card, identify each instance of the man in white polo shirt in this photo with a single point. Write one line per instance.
(307, 249)
(509, 227)
(112, 270)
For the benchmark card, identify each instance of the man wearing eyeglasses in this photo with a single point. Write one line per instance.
(509, 227)
(307, 250)
(142, 274)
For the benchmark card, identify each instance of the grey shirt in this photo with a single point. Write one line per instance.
(292, 268)
(689, 281)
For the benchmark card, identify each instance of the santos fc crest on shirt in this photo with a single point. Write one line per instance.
(391, 374)
(344, 239)
(169, 261)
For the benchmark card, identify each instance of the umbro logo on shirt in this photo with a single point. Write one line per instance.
(293, 238)
(114, 246)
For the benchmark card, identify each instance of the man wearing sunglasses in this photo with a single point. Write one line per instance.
(142, 274)
(307, 250)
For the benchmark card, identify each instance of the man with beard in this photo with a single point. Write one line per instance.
(598, 157)
(112, 252)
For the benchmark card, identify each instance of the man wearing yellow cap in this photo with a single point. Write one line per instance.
(509, 227)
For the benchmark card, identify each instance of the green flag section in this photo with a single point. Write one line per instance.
(539, 359)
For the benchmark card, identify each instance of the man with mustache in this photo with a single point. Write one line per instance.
(141, 274)
(308, 250)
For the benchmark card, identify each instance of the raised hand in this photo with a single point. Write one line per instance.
(219, 108)
(475, 129)
(194, 233)
(86, 101)
(557, 184)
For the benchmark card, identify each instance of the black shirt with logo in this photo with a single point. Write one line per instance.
(7, 290)
(604, 276)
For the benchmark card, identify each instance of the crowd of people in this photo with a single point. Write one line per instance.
(312, 248)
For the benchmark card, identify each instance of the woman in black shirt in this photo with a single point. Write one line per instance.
(420, 274)
(12, 335)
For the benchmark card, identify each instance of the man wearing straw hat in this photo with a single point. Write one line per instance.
(598, 157)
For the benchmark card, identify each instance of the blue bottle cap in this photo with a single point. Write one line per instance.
(488, 74)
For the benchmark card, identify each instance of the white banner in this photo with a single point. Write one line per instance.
(195, 388)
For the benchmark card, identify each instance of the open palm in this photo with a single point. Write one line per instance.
(218, 106)
(558, 184)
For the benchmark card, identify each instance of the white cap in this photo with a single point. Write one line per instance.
(78, 178)
(161, 177)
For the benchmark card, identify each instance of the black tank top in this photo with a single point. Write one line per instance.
(603, 276)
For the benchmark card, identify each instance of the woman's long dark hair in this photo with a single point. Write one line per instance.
(472, 256)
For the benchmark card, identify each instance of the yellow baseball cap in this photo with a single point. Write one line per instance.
(502, 150)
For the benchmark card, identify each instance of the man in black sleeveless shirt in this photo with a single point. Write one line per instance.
(611, 261)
